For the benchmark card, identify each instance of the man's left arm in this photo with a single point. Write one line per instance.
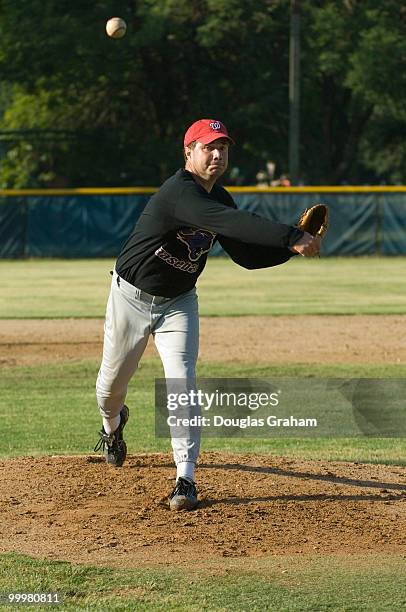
(254, 256)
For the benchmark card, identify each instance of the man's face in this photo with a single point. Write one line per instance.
(208, 161)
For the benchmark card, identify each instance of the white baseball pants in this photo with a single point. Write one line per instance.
(131, 316)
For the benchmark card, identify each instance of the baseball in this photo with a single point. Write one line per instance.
(116, 27)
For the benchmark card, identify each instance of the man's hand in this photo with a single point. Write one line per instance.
(307, 246)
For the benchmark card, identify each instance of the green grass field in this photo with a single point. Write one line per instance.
(79, 288)
(59, 399)
(312, 583)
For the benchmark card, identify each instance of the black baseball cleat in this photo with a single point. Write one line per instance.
(113, 445)
(184, 495)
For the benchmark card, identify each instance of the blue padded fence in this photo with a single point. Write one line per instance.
(96, 224)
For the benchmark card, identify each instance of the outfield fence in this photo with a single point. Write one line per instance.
(96, 222)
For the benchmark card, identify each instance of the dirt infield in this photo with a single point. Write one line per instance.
(284, 339)
(80, 510)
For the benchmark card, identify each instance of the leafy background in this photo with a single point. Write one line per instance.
(80, 109)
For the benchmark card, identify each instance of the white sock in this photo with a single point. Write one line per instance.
(110, 425)
(185, 469)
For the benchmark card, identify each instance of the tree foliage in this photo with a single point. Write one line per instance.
(78, 108)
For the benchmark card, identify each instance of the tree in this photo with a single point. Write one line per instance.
(352, 51)
(95, 111)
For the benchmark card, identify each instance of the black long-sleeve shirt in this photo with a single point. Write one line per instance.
(167, 251)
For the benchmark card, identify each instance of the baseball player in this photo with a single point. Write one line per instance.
(153, 286)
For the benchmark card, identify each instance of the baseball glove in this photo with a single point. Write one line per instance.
(314, 220)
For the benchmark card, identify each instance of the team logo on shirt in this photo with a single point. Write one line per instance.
(198, 241)
(175, 262)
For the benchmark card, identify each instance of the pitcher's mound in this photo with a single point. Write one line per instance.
(79, 509)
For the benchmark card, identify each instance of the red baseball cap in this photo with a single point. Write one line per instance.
(205, 131)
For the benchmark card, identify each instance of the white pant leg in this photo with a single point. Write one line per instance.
(176, 335)
(126, 332)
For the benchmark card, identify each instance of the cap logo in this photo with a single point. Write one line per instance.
(215, 125)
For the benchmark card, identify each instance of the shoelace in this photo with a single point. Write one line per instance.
(109, 439)
(184, 487)
(104, 440)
